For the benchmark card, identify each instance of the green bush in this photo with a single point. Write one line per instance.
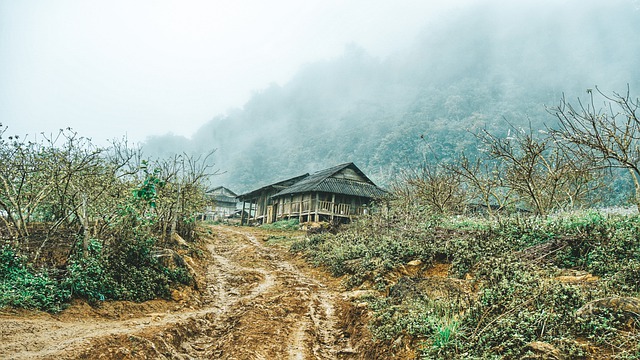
(88, 277)
(128, 272)
(21, 286)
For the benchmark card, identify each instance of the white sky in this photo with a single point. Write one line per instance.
(138, 68)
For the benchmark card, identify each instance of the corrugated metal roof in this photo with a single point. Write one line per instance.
(224, 198)
(221, 190)
(278, 185)
(345, 187)
(323, 182)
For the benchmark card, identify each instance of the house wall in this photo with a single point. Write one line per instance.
(225, 208)
(219, 204)
(262, 202)
(349, 174)
(317, 206)
(219, 210)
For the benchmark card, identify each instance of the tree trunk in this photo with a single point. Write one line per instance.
(85, 227)
(636, 183)
(174, 223)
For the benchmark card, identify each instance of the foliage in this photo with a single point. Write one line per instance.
(25, 287)
(372, 110)
(181, 194)
(88, 275)
(507, 285)
(101, 215)
(544, 176)
(129, 271)
(136, 275)
(437, 187)
(148, 190)
(370, 248)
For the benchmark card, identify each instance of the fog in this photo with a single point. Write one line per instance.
(477, 67)
(140, 68)
(284, 88)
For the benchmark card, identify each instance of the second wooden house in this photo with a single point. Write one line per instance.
(335, 194)
(222, 203)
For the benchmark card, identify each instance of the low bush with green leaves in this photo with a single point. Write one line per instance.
(25, 287)
(128, 271)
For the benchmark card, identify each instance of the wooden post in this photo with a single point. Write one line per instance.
(333, 205)
(255, 208)
(264, 209)
(301, 207)
(316, 207)
(242, 214)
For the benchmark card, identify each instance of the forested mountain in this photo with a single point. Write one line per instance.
(482, 67)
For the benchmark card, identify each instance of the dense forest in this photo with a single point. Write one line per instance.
(492, 67)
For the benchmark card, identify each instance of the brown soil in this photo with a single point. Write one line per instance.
(256, 302)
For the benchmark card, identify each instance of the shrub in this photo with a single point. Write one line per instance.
(128, 272)
(22, 286)
(88, 276)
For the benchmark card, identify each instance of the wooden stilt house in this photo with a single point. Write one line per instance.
(223, 203)
(257, 202)
(335, 194)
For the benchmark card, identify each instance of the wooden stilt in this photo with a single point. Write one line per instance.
(333, 205)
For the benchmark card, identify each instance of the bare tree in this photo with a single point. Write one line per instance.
(609, 135)
(182, 196)
(484, 180)
(437, 187)
(542, 174)
(24, 182)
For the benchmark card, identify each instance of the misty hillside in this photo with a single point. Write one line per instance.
(475, 69)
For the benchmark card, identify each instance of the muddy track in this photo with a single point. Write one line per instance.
(257, 305)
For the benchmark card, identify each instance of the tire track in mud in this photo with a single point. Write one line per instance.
(309, 322)
(256, 305)
(286, 315)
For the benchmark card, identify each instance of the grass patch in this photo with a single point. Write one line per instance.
(291, 224)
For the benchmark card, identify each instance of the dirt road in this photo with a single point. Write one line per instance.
(258, 304)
